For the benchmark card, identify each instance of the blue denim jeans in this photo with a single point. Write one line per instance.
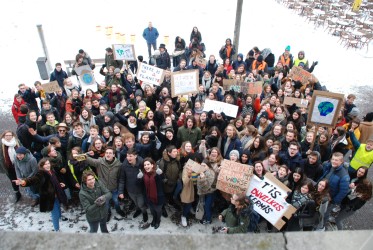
(114, 197)
(186, 209)
(209, 200)
(56, 214)
(31, 193)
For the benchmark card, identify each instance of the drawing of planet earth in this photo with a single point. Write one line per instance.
(87, 78)
(325, 108)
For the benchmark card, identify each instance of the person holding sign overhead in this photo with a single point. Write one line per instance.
(150, 34)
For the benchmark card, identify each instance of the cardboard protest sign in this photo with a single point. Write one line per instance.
(80, 157)
(139, 134)
(299, 74)
(324, 108)
(234, 178)
(201, 61)
(197, 168)
(86, 78)
(227, 83)
(124, 52)
(254, 88)
(184, 82)
(302, 103)
(50, 87)
(150, 74)
(268, 198)
(218, 107)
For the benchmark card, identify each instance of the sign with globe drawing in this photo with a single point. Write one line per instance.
(325, 108)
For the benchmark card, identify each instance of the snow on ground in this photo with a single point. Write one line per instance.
(72, 26)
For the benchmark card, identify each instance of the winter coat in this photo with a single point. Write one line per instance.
(150, 35)
(291, 162)
(193, 135)
(298, 200)
(230, 216)
(171, 169)
(109, 61)
(223, 52)
(27, 167)
(339, 182)
(366, 131)
(205, 185)
(305, 146)
(128, 177)
(76, 141)
(29, 97)
(235, 143)
(58, 76)
(47, 192)
(362, 157)
(108, 173)
(163, 61)
(211, 67)
(16, 109)
(243, 221)
(187, 194)
(160, 194)
(313, 171)
(87, 198)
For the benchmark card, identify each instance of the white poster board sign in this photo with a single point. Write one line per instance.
(184, 82)
(150, 74)
(218, 107)
(86, 78)
(124, 52)
(268, 198)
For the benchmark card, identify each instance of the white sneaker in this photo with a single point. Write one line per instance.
(184, 222)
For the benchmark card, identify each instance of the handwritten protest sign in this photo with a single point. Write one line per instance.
(124, 52)
(302, 103)
(254, 88)
(227, 83)
(86, 78)
(268, 198)
(50, 87)
(150, 74)
(80, 157)
(234, 178)
(184, 82)
(201, 61)
(218, 107)
(197, 168)
(299, 74)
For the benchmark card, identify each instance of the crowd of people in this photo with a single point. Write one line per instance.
(129, 141)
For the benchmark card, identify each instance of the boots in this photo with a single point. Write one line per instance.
(121, 212)
(108, 215)
(144, 223)
(145, 217)
(164, 212)
(18, 196)
(137, 213)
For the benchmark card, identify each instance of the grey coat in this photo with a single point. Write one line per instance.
(26, 168)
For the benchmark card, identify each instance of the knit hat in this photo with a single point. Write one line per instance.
(132, 114)
(109, 114)
(138, 92)
(117, 70)
(354, 112)
(21, 150)
(108, 49)
(235, 152)
(287, 48)
(264, 115)
(260, 58)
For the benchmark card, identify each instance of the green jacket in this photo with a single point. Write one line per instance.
(193, 135)
(243, 220)
(87, 198)
(230, 217)
(108, 173)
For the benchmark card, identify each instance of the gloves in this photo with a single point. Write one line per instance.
(140, 175)
(152, 128)
(223, 115)
(165, 180)
(159, 171)
(100, 200)
(315, 63)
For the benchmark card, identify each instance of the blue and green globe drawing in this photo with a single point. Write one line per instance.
(87, 78)
(325, 108)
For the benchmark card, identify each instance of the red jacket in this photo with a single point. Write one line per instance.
(16, 109)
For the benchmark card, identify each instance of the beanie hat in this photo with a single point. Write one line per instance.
(260, 58)
(109, 114)
(287, 48)
(132, 114)
(354, 112)
(235, 152)
(264, 115)
(21, 150)
(117, 70)
(138, 92)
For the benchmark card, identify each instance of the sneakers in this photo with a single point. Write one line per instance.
(136, 214)
(121, 213)
(331, 219)
(34, 202)
(204, 222)
(144, 225)
(184, 222)
(320, 229)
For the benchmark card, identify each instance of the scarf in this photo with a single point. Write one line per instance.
(151, 187)
(61, 196)
(279, 117)
(11, 148)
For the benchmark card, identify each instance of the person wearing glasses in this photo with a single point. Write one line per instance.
(292, 158)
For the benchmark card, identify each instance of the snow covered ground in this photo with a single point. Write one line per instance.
(71, 25)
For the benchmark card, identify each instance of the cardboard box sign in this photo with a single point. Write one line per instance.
(299, 74)
(197, 168)
(50, 87)
(255, 88)
(268, 198)
(150, 74)
(124, 52)
(302, 103)
(201, 61)
(234, 178)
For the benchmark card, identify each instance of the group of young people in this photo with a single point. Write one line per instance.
(130, 141)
